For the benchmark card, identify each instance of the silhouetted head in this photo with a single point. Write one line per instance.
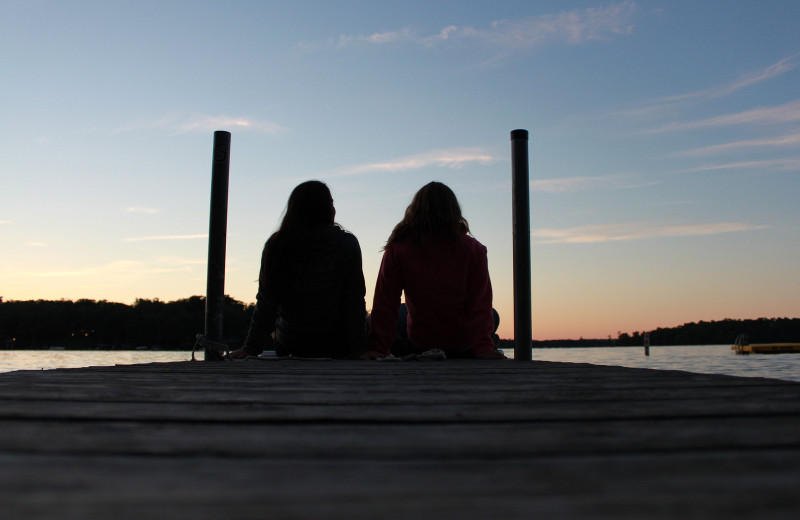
(434, 211)
(310, 205)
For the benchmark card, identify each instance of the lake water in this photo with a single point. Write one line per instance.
(703, 359)
(707, 359)
(11, 360)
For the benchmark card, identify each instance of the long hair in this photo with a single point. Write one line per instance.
(434, 212)
(310, 205)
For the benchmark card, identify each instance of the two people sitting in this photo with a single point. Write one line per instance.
(311, 288)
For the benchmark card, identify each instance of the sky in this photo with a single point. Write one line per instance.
(664, 145)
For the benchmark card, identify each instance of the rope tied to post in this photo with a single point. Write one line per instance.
(202, 341)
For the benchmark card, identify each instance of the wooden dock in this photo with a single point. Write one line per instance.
(366, 440)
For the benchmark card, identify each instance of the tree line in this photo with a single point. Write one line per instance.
(90, 324)
(761, 330)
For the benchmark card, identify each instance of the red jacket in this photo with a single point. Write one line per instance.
(447, 291)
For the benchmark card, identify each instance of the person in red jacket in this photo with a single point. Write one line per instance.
(443, 271)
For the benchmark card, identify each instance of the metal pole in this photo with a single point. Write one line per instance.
(523, 333)
(217, 230)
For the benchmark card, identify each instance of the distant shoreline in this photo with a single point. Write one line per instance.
(173, 326)
(506, 344)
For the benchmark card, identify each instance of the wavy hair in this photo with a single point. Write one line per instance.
(434, 212)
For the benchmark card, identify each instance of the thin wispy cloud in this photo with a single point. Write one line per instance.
(118, 268)
(176, 124)
(142, 209)
(783, 164)
(659, 105)
(635, 231)
(571, 27)
(165, 237)
(447, 158)
(770, 72)
(575, 184)
(5, 222)
(565, 27)
(174, 260)
(787, 113)
(787, 140)
(209, 123)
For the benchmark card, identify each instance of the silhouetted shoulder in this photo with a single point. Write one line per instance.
(347, 237)
(339, 228)
(473, 244)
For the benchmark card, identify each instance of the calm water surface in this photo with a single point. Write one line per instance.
(703, 359)
(707, 359)
(11, 360)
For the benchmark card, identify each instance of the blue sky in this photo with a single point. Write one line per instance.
(664, 151)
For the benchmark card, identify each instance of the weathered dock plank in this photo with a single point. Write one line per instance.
(455, 439)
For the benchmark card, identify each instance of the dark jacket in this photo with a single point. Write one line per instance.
(311, 295)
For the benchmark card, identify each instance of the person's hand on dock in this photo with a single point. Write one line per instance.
(371, 355)
(490, 354)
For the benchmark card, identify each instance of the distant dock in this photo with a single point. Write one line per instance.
(364, 440)
(767, 348)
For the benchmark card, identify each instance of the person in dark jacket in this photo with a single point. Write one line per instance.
(310, 300)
